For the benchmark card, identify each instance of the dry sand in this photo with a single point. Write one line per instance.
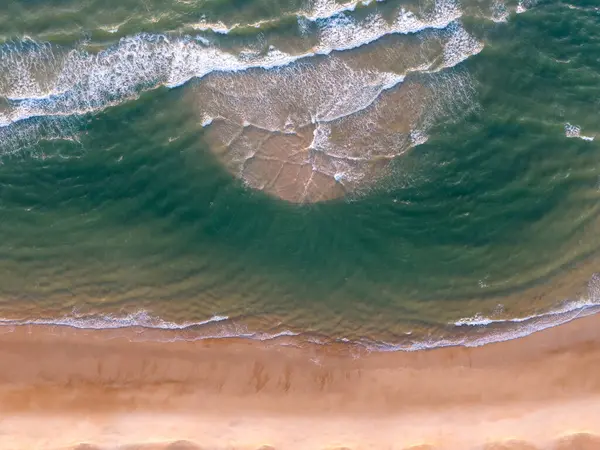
(61, 388)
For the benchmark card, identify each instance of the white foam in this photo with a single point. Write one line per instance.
(115, 28)
(493, 330)
(140, 318)
(215, 27)
(479, 320)
(322, 12)
(28, 69)
(292, 97)
(418, 137)
(582, 8)
(343, 32)
(145, 320)
(574, 131)
(460, 46)
(202, 40)
(520, 328)
(335, 98)
(323, 9)
(489, 330)
(206, 120)
(500, 12)
(270, 336)
(525, 5)
(327, 91)
(78, 82)
(27, 134)
(319, 10)
(356, 97)
(87, 83)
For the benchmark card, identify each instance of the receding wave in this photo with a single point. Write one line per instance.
(491, 331)
(214, 327)
(111, 321)
(468, 332)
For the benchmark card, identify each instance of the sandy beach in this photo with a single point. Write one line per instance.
(61, 388)
(299, 225)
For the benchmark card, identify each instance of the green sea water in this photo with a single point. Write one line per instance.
(116, 207)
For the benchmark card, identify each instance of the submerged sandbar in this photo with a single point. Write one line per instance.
(313, 132)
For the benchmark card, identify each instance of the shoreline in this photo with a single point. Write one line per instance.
(474, 331)
(114, 388)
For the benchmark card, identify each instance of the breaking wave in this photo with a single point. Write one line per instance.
(39, 79)
(484, 330)
(467, 332)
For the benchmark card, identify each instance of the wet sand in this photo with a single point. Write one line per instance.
(62, 387)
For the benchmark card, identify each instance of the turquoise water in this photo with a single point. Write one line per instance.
(364, 171)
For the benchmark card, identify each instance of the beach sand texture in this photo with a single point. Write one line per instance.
(61, 388)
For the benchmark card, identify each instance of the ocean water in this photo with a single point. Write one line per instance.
(400, 174)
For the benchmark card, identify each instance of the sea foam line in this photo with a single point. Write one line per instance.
(574, 131)
(521, 327)
(487, 331)
(363, 86)
(145, 320)
(139, 318)
(321, 10)
(86, 82)
(479, 320)
(480, 330)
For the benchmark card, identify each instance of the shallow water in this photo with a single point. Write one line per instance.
(370, 171)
